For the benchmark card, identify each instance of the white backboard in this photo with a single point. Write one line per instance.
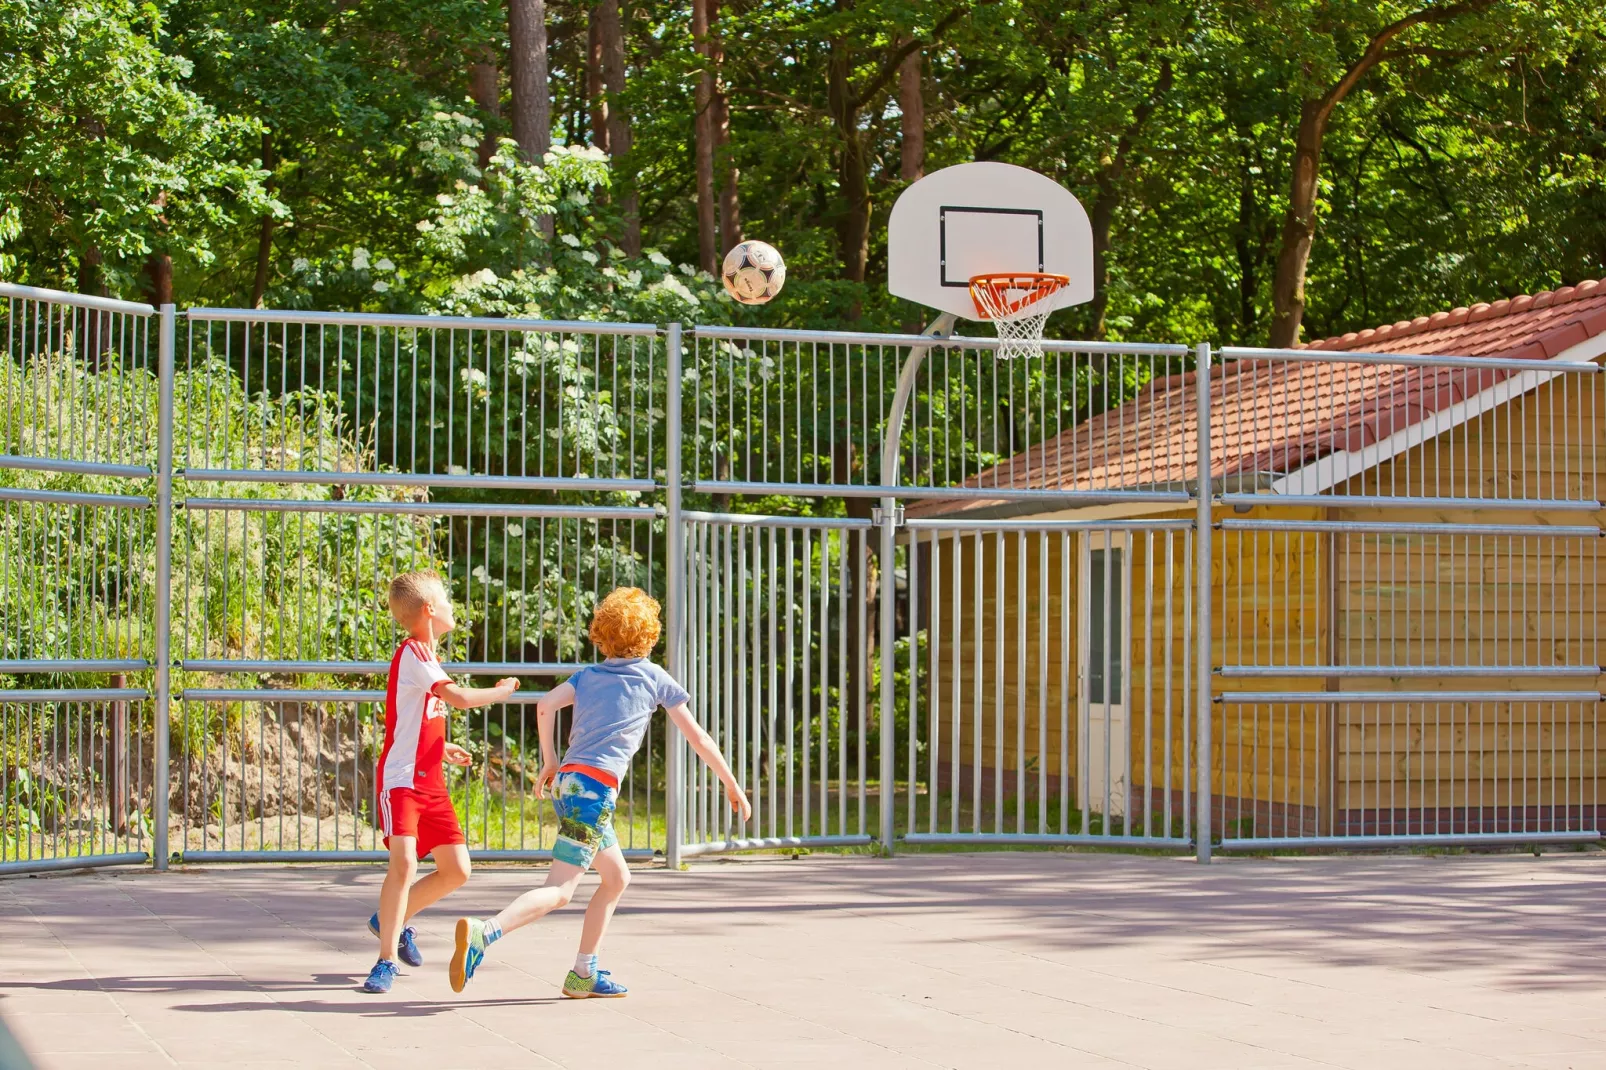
(979, 218)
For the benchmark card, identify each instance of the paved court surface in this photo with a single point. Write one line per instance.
(1014, 960)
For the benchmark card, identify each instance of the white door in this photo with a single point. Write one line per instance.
(1103, 747)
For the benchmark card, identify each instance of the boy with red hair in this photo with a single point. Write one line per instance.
(613, 706)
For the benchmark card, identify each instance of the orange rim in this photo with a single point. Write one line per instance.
(991, 292)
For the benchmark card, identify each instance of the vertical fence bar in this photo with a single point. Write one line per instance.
(889, 536)
(674, 595)
(162, 656)
(1203, 602)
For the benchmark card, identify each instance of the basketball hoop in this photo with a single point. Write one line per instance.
(1014, 301)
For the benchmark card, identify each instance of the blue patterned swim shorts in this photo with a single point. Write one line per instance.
(585, 818)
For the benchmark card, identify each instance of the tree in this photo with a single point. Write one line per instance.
(1336, 31)
(112, 164)
(528, 74)
(912, 115)
(611, 55)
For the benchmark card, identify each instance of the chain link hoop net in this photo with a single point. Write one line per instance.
(1014, 301)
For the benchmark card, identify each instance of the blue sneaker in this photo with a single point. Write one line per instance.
(468, 952)
(406, 947)
(381, 977)
(600, 985)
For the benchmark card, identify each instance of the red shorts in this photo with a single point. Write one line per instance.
(430, 819)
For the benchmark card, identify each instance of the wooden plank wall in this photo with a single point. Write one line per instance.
(1271, 762)
(1313, 599)
(1477, 600)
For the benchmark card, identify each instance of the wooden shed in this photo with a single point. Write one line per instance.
(1399, 561)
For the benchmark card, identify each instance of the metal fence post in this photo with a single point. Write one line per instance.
(1204, 548)
(164, 580)
(674, 597)
(889, 661)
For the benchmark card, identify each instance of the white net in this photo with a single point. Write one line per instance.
(1017, 310)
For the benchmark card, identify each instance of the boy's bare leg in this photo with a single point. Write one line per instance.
(393, 893)
(452, 868)
(615, 873)
(561, 881)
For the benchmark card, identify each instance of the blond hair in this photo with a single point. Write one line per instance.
(410, 591)
(625, 624)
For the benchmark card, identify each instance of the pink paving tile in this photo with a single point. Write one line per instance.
(1048, 959)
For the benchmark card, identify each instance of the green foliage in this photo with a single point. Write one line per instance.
(108, 154)
(80, 581)
(1466, 165)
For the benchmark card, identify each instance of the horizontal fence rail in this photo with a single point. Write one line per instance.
(78, 385)
(919, 595)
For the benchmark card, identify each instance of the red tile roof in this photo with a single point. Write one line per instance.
(1272, 417)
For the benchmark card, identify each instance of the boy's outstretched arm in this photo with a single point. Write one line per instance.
(469, 698)
(546, 720)
(708, 751)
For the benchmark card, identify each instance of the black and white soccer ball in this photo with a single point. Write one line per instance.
(754, 272)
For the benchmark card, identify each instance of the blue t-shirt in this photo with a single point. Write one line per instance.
(613, 704)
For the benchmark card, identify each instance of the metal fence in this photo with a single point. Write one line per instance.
(1408, 640)
(1118, 595)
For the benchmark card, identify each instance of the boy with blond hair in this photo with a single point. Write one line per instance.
(415, 811)
(613, 706)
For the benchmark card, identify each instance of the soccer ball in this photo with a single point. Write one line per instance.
(754, 272)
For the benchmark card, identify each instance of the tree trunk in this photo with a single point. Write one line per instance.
(912, 105)
(1299, 227)
(484, 85)
(594, 82)
(730, 204)
(1101, 217)
(159, 279)
(730, 199)
(259, 286)
(853, 228)
(707, 240)
(91, 282)
(527, 67)
(620, 139)
(97, 325)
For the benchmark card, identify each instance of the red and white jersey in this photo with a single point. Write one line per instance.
(415, 722)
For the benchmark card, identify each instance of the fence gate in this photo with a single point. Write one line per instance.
(887, 623)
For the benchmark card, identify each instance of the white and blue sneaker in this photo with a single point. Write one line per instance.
(381, 977)
(406, 947)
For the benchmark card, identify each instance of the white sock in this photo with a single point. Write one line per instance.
(585, 965)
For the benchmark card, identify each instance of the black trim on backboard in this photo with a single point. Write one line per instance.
(942, 235)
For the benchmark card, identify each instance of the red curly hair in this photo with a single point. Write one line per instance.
(625, 624)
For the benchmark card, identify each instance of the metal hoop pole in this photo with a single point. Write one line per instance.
(940, 327)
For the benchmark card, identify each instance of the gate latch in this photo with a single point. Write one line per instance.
(878, 516)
